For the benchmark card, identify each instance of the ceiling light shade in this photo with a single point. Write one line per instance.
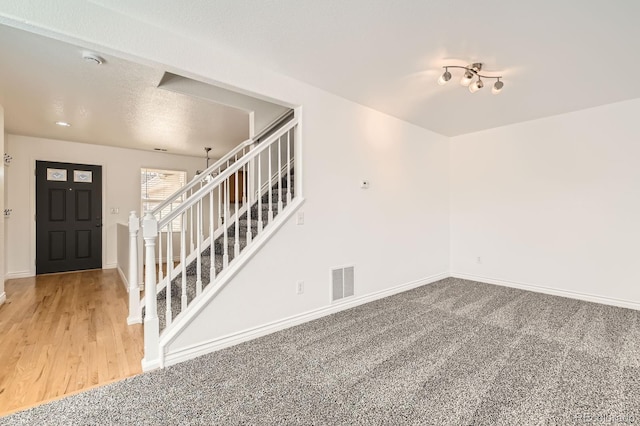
(475, 86)
(470, 73)
(497, 87)
(444, 78)
(466, 78)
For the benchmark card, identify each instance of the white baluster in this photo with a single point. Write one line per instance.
(279, 174)
(225, 239)
(270, 215)
(288, 167)
(249, 231)
(170, 268)
(212, 252)
(151, 322)
(249, 182)
(167, 289)
(191, 234)
(295, 147)
(201, 212)
(220, 212)
(259, 194)
(135, 312)
(183, 260)
(244, 184)
(236, 245)
(199, 250)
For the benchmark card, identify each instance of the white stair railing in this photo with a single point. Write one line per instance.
(214, 223)
(196, 183)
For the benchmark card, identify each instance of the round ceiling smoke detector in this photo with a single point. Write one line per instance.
(92, 58)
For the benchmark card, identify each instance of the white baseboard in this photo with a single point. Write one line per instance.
(148, 366)
(134, 320)
(110, 266)
(19, 274)
(3, 297)
(123, 277)
(552, 291)
(194, 351)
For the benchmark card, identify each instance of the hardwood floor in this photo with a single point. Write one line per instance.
(63, 333)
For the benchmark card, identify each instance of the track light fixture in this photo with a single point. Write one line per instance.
(471, 72)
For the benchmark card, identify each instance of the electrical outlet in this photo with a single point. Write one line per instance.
(300, 287)
(300, 218)
(479, 260)
(115, 210)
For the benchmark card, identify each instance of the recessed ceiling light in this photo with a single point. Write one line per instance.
(93, 58)
(63, 124)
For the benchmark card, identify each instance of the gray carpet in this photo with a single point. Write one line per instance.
(454, 352)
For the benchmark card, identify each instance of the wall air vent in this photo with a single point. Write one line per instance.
(342, 283)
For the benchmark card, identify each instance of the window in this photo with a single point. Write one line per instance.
(157, 185)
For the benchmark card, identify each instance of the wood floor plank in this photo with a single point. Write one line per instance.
(63, 333)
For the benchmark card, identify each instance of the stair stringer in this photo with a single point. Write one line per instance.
(173, 330)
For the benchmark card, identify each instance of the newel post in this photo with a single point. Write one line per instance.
(135, 312)
(151, 358)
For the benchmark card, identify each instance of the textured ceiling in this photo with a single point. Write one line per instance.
(117, 103)
(555, 56)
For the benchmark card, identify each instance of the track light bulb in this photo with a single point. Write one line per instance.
(497, 87)
(475, 86)
(466, 78)
(444, 78)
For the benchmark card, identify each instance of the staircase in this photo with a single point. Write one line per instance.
(279, 192)
(201, 236)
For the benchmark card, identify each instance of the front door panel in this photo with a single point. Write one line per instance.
(68, 217)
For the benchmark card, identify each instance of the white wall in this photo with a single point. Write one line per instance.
(121, 189)
(552, 203)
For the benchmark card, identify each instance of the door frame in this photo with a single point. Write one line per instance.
(32, 205)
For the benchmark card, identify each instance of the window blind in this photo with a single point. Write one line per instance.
(156, 185)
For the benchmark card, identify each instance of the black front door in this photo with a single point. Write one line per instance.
(68, 217)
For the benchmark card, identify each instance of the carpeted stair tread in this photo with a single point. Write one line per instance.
(242, 229)
(276, 195)
(231, 243)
